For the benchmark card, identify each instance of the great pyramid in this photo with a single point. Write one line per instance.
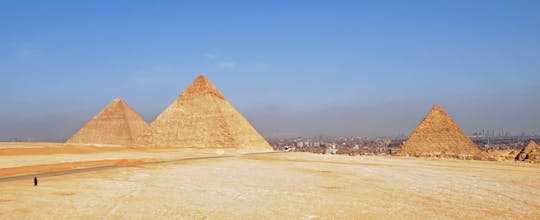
(530, 153)
(201, 117)
(438, 135)
(117, 123)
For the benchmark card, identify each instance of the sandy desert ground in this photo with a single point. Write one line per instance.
(168, 183)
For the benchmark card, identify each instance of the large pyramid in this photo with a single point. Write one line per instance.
(530, 153)
(438, 135)
(117, 123)
(201, 117)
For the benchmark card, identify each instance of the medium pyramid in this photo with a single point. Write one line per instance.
(202, 117)
(530, 153)
(117, 123)
(439, 135)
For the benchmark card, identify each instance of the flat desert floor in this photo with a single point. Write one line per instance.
(168, 183)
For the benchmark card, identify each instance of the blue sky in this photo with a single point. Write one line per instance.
(368, 68)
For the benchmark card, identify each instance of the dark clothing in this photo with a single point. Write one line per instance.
(35, 181)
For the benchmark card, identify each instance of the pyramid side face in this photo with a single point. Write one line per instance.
(117, 124)
(533, 145)
(201, 117)
(138, 127)
(244, 134)
(196, 123)
(438, 134)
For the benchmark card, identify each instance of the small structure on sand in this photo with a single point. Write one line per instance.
(530, 153)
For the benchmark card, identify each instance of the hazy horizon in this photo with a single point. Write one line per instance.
(293, 69)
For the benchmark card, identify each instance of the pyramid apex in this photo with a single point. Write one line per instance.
(201, 79)
(437, 109)
(117, 103)
(200, 86)
(437, 106)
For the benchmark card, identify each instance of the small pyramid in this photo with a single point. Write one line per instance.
(117, 123)
(530, 153)
(202, 117)
(439, 135)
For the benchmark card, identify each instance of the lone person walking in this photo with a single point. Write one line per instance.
(35, 181)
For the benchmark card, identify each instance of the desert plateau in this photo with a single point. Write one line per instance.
(127, 182)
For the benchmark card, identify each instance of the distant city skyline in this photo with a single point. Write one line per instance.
(305, 68)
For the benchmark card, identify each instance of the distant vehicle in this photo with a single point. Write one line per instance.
(286, 149)
(331, 151)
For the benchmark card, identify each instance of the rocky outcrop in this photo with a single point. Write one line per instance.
(530, 153)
